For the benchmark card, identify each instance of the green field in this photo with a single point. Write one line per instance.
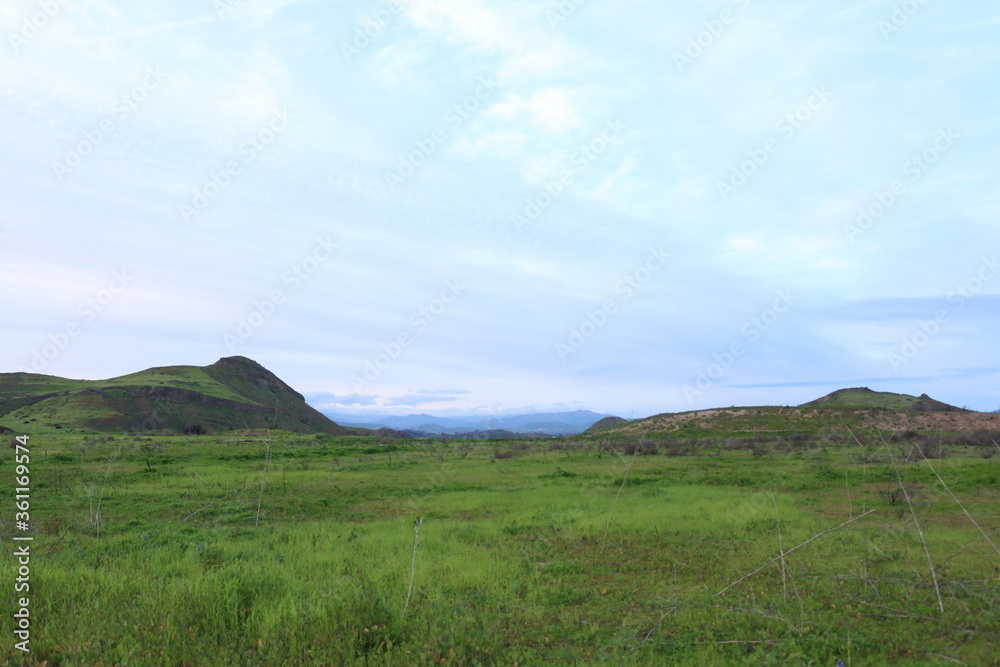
(274, 548)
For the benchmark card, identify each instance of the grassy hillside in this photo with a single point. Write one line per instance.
(232, 393)
(863, 397)
(606, 423)
(844, 409)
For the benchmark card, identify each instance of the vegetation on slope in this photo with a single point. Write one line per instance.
(607, 422)
(863, 397)
(234, 392)
(847, 408)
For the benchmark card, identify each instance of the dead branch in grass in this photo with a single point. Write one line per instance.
(795, 548)
(916, 522)
(263, 476)
(213, 503)
(413, 562)
(611, 513)
(781, 551)
(959, 503)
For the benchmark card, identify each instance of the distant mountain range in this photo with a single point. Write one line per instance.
(238, 393)
(549, 423)
(232, 393)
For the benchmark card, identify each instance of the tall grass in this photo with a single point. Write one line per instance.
(553, 555)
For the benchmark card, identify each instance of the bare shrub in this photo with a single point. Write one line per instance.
(643, 446)
(927, 447)
(894, 494)
(982, 438)
(799, 439)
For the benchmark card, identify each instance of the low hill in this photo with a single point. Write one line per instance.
(232, 393)
(847, 408)
(607, 422)
(863, 397)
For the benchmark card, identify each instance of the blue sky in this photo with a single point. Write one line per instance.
(465, 206)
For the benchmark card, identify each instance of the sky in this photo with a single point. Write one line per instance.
(463, 206)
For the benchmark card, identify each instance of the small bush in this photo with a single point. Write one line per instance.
(559, 472)
(927, 447)
(644, 446)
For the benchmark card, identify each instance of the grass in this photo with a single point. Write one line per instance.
(184, 377)
(291, 549)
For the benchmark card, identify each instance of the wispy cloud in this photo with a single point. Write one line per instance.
(560, 83)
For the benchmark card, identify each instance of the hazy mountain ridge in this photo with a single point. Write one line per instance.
(551, 423)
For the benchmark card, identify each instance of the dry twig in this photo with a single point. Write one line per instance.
(413, 562)
(795, 548)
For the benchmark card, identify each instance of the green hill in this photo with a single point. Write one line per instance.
(845, 408)
(232, 393)
(607, 422)
(863, 397)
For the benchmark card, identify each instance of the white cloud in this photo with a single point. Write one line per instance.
(615, 185)
(553, 111)
(745, 244)
(453, 217)
(467, 22)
